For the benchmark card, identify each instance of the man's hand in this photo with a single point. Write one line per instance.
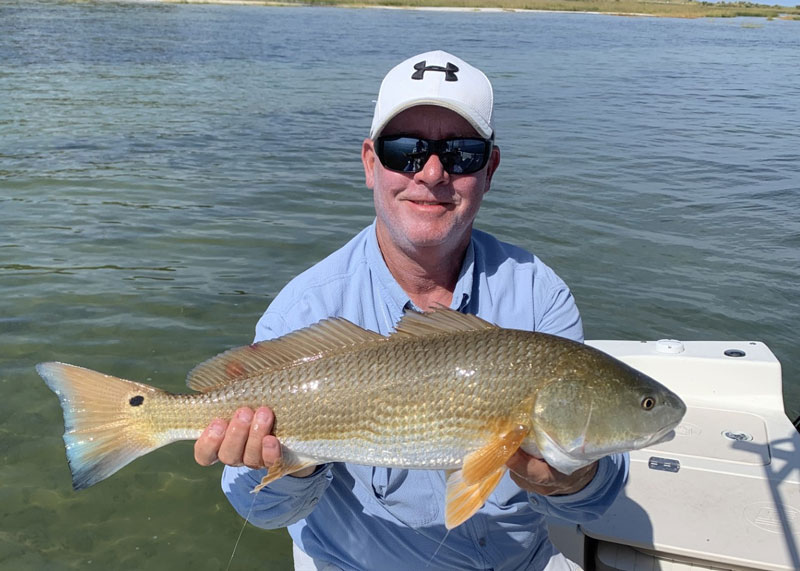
(246, 440)
(535, 475)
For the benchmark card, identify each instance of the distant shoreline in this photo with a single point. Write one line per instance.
(631, 8)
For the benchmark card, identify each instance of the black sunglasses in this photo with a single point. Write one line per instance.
(405, 153)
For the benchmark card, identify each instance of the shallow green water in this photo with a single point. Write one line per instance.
(164, 170)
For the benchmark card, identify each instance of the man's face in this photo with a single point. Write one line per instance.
(431, 208)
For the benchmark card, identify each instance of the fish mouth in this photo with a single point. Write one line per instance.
(661, 439)
(662, 436)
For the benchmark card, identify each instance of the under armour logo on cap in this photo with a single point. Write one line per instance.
(449, 71)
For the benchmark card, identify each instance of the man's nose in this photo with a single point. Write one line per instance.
(433, 172)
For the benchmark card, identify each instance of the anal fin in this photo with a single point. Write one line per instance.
(288, 464)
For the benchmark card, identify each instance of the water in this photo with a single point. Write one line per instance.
(165, 169)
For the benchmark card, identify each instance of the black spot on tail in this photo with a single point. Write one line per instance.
(137, 400)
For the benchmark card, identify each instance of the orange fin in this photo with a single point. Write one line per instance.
(289, 463)
(482, 463)
(463, 499)
(469, 487)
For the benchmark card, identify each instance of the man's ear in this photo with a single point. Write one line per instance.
(494, 162)
(368, 160)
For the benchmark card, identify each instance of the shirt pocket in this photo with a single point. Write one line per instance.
(412, 497)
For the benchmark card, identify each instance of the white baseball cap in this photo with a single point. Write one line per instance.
(436, 78)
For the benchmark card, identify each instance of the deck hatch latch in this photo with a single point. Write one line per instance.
(663, 464)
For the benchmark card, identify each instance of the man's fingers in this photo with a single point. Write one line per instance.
(243, 441)
(517, 462)
(207, 446)
(270, 450)
(262, 425)
(231, 452)
(535, 475)
(524, 464)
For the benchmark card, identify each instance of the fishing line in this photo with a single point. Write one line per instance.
(428, 564)
(241, 531)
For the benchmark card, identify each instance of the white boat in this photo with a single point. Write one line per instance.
(725, 492)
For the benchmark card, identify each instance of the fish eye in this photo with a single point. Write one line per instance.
(648, 403)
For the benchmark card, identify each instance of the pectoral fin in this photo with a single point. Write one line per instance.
(469, 487)
(289, 463)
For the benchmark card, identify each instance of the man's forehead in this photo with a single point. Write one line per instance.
(431, 121)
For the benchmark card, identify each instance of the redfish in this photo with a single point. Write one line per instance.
(445, 391)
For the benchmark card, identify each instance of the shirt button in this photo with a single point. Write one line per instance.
(482, 542)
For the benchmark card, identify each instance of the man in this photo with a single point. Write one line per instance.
(429, 160)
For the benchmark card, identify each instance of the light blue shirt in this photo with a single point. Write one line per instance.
(368, 518)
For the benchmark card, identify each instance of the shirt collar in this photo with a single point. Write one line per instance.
(466, 277)
(391, 291)
(397, 297)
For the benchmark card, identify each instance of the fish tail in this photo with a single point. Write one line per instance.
(107, 421)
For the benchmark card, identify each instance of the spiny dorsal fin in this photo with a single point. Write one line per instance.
(441, 320)
(306, 344)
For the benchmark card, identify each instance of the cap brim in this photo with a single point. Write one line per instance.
(473, 119)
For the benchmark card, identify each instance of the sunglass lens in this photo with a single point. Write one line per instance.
(404, 154)
(463, 156)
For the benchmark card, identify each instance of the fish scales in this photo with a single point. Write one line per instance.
(419, 402)
(427, 397)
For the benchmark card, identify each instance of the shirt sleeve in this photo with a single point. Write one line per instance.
(288, 499)
(592, 501)
(281, 503)
(555, 307)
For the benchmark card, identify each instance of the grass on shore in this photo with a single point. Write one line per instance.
(664, 8)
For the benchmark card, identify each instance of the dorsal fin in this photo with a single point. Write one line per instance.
(441, 320)
(306, 344)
